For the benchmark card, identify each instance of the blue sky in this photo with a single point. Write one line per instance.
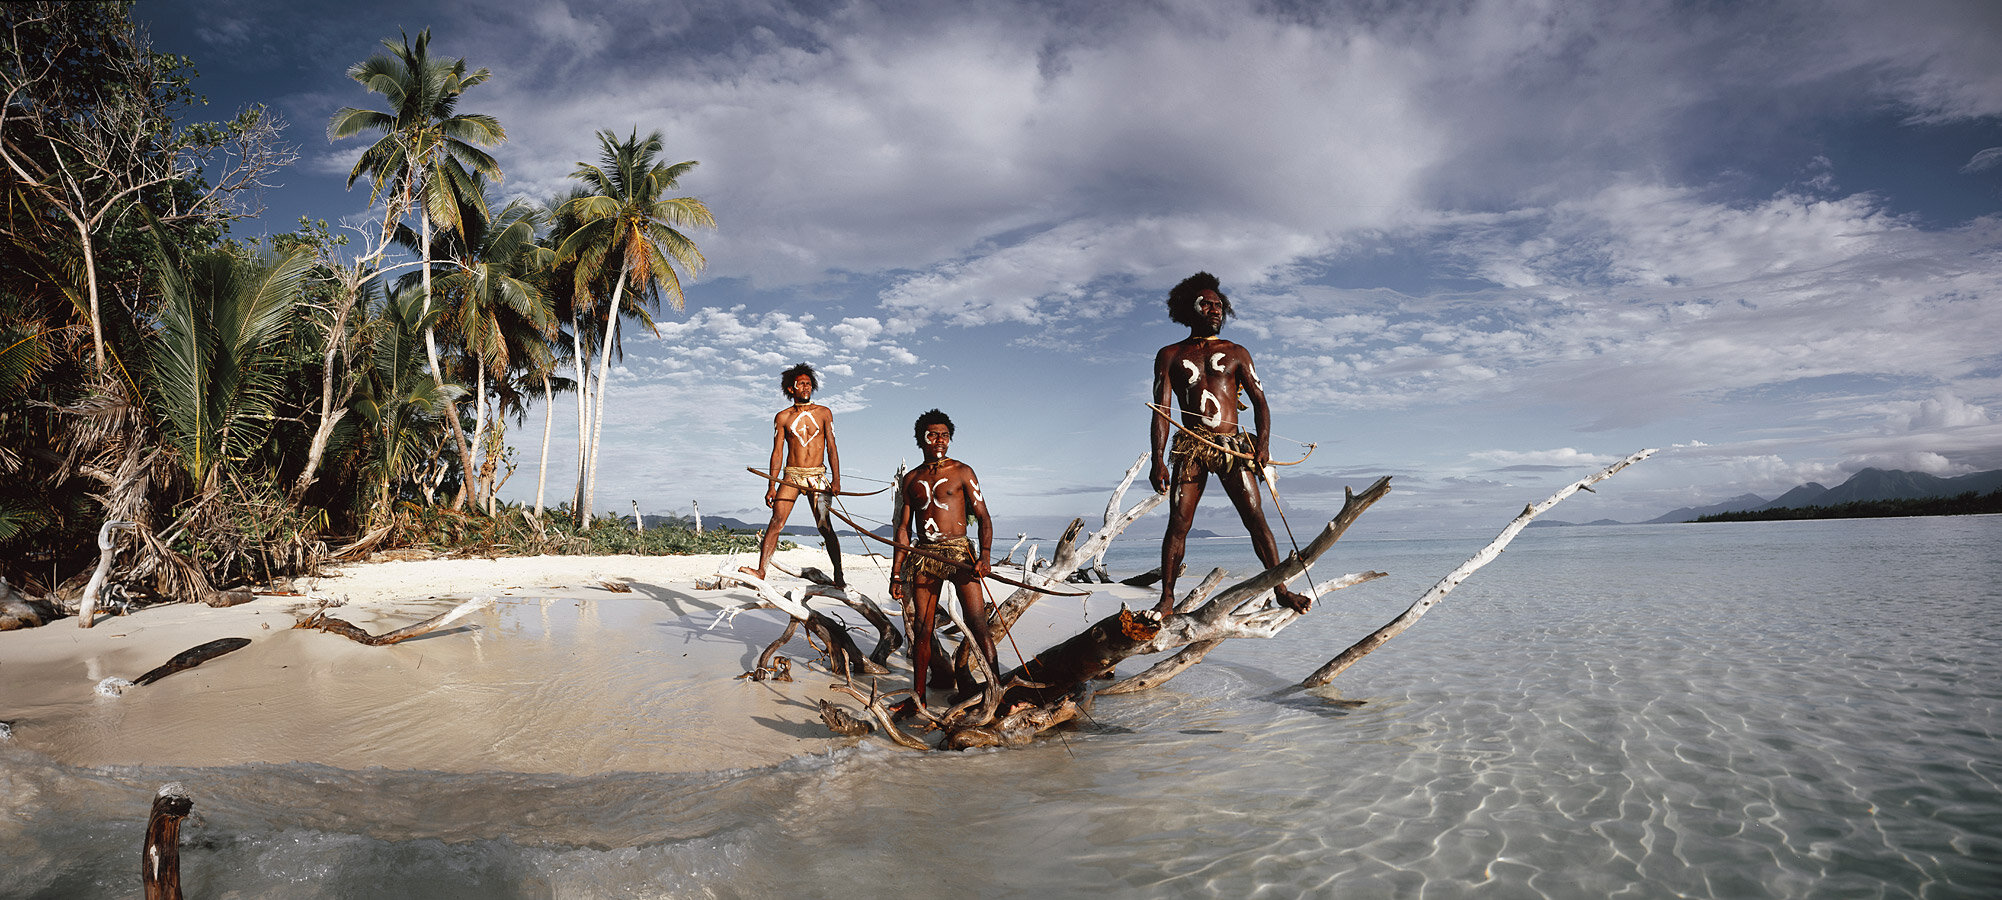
(1484, 247)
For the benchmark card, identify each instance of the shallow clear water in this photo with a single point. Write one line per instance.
(1791, 709)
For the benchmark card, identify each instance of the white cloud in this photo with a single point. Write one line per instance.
(1563, 457)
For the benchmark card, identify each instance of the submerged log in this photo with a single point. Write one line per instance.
(160, 858)
(1062, 670)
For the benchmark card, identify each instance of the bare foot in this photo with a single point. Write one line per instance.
(1293, 600)
(751, 572)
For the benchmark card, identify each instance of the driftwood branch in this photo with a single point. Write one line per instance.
(1362, 648)
(1245, 609)
(182, 661)
(320, 621)
(844, 657)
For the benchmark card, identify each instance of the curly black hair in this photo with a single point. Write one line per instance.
(934, 417)
(786, 378)
(1182, 299)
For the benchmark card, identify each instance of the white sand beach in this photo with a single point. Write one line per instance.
(559, 675)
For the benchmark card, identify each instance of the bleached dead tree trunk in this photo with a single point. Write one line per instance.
(1362, 648)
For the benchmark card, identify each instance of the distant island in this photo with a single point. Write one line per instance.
(1870, 493)
(1965, 504)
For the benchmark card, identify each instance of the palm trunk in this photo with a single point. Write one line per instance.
(484, 490)
(583, 419)
(604, 373)
(466, 471)
(548, 425)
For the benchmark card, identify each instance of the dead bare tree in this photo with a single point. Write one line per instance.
(1053, 688)
(87, 126)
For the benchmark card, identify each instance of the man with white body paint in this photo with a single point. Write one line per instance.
(803, 456)
(1204, 374)
(939, 497)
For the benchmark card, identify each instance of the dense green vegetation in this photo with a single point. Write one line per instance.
(1967, 504)
(257, 406)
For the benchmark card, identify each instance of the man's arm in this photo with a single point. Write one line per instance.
(833, 457)
(1261, 414)
(778, 456)
(900, 532)
(1157, 422)
(985, 523)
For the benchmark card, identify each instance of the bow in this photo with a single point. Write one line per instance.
(951, 562)
(1166, 413)
(811, 490)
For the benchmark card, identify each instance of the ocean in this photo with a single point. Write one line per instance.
(1778, 709)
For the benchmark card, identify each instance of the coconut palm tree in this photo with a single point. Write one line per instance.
(421, 161)
(625, 224)
(492, 301)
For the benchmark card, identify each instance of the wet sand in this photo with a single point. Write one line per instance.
(558, 675)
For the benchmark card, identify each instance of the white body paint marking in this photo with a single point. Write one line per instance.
(805, 427)
(1216, 362)
(1211, 409)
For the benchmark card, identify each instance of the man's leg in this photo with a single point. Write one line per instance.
(1242, 489)
(1185, 490)
(820, 504)
(781, 509)
(973, 602)
(923, 597)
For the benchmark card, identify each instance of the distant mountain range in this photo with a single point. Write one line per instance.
(1868, 484)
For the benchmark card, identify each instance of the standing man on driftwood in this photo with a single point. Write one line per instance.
(1204, 375)
(932, 548)
(802, 435)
